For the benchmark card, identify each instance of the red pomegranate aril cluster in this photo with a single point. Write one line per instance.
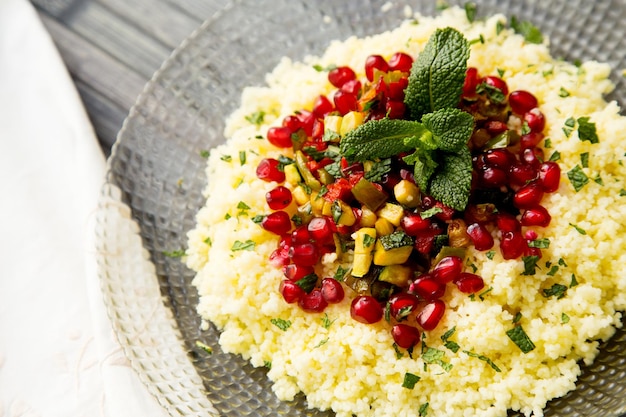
(515, 173)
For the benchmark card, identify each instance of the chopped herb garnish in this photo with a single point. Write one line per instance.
(175, 253)
(494, 94)
(239, 245)
(598, 180)
(453, 346)
(547, 143)
(431, 212)
(320, 68)
(399, 353)
(587, 130)
(258, 219)
(470, 11)
(483, 358)
(378, 170)
(500, 72)
(563, 93)
(434, 356)
(556, 290)
(256, 118)
(327, 322)
(520, 338)
(205, 154)
(517, 317)
(368, 240)
(490, 254)
(423, 410)
(242, 157)
(573, 282)
(578, 229)
(553, 270)
(321, 343)
(562, 261)
(529, 31)
(341, 273)
(584, 159)
(482, 294)
(308, 282)
(622, 192)
(204, 347)
(208, 241)
(242, 207)
(267, 364)
(227, 216)
(564, 318)
(556, 155)
(410, 380)
(570, 123)
(226, 158)
(543, 243)
(281, 324)
(530, 264)
(577, 177)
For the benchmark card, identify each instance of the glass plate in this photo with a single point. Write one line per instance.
(156, 176)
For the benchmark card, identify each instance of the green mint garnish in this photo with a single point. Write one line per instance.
(204, 347)
(587, 130)
(564, 318)
(556, 290)
(563, 93)
(341, 273)
(438, 73)
(445, 338)
(573, 282)
(239, 245)
(378, 170)
(327, 322)
(521, 339)
(308, 282)
(410, 380)
(281, 324)
(556, 155)
(543, 243)
(205, 154)
(470, 11)
(578, 229)
(530, 264)
(584, 159)
(483, 358)
(175, 253)
(577, 177)
(529, 31)
(256, 118)
(226, 158)
(423, 410)
(434, 356)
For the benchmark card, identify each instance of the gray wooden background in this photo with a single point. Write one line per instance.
(112, 48)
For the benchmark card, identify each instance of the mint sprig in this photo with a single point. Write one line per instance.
(437, 145)
(437, 75)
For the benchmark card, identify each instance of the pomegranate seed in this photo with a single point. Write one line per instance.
(413, 224)
(496, 82)
(530, 140)
(400, 62)
(535, 119)
(280, 136)
(304, 254)
(317, 132)
(395, 109)
(507, 222)
(428, 288)
(536, 216)
(279, 257)
(469, 283)
(290, 291)
(528, 196)
(480, 236)
(352, 87)
(446, 212)
(532, 156)
(268, 170)
(375, 62)
(405, 336)
(431, 314)
(295, 272)
(470, 83)
(402, 305)
(322, 106)
(345, 102)
(292, 123)
(530, 235)
(301, 234)
(365, 309)
(500, 158)
(332, 291)
(341, 75)
(306, 121)
(320, 229)
(549, 176)
(277, 222)
(313, 302)
(521, 174)
(512, 245)
(495, 127)
(522, 101)
(492, 177)
(448, 269)
(396, 89)
(278, 198)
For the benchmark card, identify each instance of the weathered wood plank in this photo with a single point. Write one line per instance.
(200, 9)
(158, 20)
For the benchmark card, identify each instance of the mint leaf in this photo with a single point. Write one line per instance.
(451, 128)
(438, 73)
(587, 130)
(451, 183)
(520, 338)
(529, 31)
(410, 380)
(379, 139)
(424, 166)
(281, 323)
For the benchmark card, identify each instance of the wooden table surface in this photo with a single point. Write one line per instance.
(113, 47)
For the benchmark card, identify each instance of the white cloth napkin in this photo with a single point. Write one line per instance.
(58, 356)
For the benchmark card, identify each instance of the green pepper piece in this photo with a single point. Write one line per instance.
(367, 194)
